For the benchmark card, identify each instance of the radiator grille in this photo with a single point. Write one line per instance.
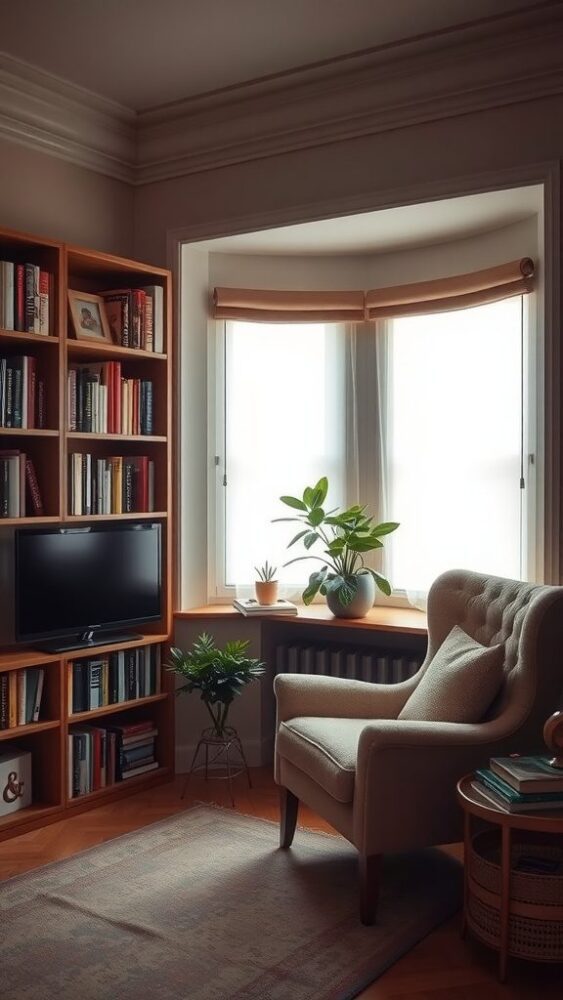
(353, 662)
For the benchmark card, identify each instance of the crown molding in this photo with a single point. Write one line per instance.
(486, 64)
(382, 90)
(41, 111)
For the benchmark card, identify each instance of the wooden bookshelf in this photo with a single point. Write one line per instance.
(49, 448)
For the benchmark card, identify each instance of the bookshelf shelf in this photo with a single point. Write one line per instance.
(34, 815)
(157, 515)
(33, 727)
(27, 522)
(19, 337)
(48, 449)
(120, 787)
(97, 713)
(83, 349)
(31, 432)
(89, 436)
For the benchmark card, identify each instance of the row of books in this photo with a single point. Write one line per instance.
(521, 784)
(101, 401)
(20, 696)
(136, 317)
(114, 485)
(355, 664)
(19, 487)
(26, 298)
(22, 393)
(99, 756)
(113, 678)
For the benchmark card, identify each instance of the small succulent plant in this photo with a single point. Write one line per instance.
(267, 572)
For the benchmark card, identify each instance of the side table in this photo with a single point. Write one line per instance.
(507, 904)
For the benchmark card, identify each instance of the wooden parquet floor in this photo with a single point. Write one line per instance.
(442, 967)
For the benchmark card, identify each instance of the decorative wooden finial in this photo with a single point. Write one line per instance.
(553, 736)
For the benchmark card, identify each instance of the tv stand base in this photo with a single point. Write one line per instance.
(87, 640)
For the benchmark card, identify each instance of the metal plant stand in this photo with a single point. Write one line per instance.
(224, 750)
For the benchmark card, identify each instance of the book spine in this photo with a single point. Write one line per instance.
(29, 298)
(148, 323)
(41, 420)
(4, 701)
(19, 317)
(43, 303)
(31, 391)
(34, 492)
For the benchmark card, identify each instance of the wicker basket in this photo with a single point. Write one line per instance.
(534, 937)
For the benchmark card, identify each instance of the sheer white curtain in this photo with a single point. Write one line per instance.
(454, 438)
(284, 428)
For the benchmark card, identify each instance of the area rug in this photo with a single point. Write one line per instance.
(204, 906)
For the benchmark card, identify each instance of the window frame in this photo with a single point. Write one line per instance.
(533, 535)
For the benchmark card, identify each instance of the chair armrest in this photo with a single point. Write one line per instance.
(406, 777)
(310, 694)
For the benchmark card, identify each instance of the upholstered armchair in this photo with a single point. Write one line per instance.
(388, 784)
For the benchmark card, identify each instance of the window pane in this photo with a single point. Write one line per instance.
(454, 443)
(284, 428)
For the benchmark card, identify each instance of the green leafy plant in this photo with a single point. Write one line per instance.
(218, 674)
(266, 573)
(346, 536)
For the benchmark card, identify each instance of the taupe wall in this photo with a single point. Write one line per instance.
(389, 168)
(49, 197)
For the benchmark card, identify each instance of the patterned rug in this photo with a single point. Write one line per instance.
(203, 906)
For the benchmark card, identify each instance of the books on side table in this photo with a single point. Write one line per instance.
(521, 784)
(249, 606)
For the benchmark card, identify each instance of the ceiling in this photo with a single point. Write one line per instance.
(409, 226)
(143, 53)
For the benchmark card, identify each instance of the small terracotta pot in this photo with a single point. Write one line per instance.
(266, 591)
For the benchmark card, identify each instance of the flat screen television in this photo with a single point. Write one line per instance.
(76, 587)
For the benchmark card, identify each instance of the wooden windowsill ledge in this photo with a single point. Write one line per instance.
(400, 620)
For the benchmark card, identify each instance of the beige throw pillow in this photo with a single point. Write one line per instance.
(459, 683)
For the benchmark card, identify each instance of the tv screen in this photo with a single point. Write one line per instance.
(69, 580)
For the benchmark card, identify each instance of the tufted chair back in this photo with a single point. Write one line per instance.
(528, 619)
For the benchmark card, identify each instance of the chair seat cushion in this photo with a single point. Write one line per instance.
(460, 682)
(325, 749)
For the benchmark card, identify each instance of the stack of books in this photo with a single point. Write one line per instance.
(22, 393)
(101, 401)
(20, 697)
(18, 482)
(26, 298)
(99, 756)
(249, 606)
(114, 485)
(125, 675)
(136, 317)
(521, 784)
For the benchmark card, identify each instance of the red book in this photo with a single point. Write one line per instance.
(136, 727)
(33, 491)
(19, 312)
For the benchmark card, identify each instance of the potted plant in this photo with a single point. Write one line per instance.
(266, 586)
(346, 535)
(218, 674)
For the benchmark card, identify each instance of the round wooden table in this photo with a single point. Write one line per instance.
(547, 822)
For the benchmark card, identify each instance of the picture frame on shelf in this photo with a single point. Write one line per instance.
(88, 317)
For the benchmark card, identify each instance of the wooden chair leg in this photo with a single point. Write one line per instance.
(289, 804)
(369, 870)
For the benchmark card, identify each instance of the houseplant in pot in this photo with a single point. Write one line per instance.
(266, 586)
(218, 674)
(345, 536)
